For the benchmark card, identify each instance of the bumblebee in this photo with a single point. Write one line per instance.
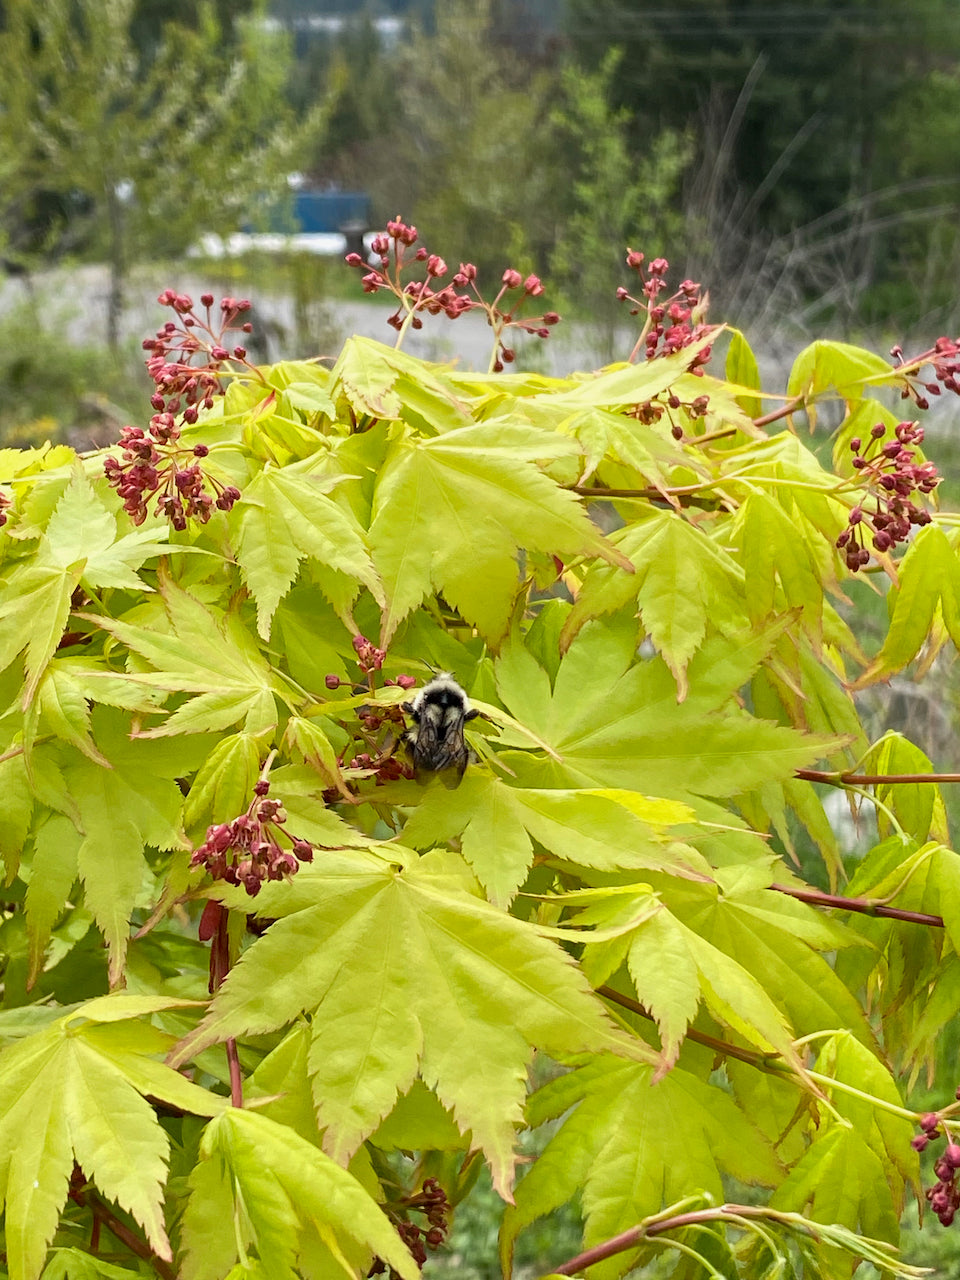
(435, 739)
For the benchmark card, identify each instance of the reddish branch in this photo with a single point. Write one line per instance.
(684, 497)
(865, 906)
(236, 1079)
(103, 1214)
(593, 491)
(215, 927)
(871, 779)
(764, 1061)
(636, 1235)
(783, 412)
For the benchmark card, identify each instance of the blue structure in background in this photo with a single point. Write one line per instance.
(316, 211)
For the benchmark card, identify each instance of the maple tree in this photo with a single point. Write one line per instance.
(270, 1000)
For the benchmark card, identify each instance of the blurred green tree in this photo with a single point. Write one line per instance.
(815, 120)
(614, 197)
(137, 151)
(356, 67)
(468, 153)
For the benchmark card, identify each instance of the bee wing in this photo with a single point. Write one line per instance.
(439, 744)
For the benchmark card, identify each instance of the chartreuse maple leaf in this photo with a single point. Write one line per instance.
(497, 823)
(53, 872)
(683, 583)
(673, 968)
(748, 954)
(285, 515)
(841, 1179)
(61, 706)
(396, 965)
(74, 1264)
(117, 810)
(608, 439)
(613, 721)
(741, 368)
(449, 514)
(382, 382)
(845, 1058)
(630, 1146)
(837, 366)
(778, 941)
(928, 578)
(918, 807)
(918, 877)
(259, 1182)
(207, 653)
(83, 533)
(74, 1092)
(225, 781)
(81, 544)
(627, 384)
(774, 553)
(34, 607)
(366, 377)
(304, 386)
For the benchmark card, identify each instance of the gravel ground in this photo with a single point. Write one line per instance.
(74, 301)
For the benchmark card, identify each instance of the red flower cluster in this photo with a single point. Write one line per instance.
(152, 460)
(369, 657)
(417, 296)
(943, 357)
(432, 1202)
(944, 1195)
(669, 326)
(890, 474)
(672, 323)
(181, 383)
(153, 465)
(247, 850)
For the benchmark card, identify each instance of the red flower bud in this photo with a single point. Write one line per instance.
(209, 920)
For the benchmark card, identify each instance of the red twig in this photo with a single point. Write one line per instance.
(871, 779)
(236, 1079)
(783, 412)
(864, 906)
(219, 968)
(647, 1231)
(764, 1061)
(102, 1213)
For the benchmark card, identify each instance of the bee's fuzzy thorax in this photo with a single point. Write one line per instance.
(442, 691)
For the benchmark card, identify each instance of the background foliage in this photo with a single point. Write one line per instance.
(806, 151)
